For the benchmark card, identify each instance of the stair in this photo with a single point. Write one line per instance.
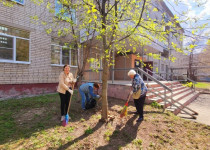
(181, 96)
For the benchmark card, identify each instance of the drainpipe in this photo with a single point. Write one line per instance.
(113, 68)
(100, 68)
(159, 65)
(142, 66)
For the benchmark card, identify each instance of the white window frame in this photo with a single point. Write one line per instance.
(162, 68)
(61, 56)
(19, 2)
(14, 50)
(94, 64)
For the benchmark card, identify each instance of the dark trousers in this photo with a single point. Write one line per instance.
(64, 102)
(139, 103)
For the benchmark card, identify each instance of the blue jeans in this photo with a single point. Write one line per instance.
(85, 97)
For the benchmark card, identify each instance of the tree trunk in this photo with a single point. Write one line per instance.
(104, 113)
(104, 90)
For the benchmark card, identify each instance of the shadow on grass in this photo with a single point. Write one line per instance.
(26, 117)
(122, 137)
(97, 126)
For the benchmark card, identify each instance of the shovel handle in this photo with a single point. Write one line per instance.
(129, 96)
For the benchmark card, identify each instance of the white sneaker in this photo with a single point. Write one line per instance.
(62, 118)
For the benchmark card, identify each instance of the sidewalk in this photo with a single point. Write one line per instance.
(202, 106)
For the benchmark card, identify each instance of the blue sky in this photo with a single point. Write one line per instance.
(197, 12)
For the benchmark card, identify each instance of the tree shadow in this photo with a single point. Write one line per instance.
(122, 137)
(26, 116)
(97, 126)
(153, 112)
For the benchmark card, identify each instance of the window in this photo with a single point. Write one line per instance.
(64, 12)
(61, 54)
(22, 2)
(162, 67)
(14, 45)
(95, 62)
(165, 53)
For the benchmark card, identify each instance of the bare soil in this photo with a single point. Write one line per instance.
(159, 130)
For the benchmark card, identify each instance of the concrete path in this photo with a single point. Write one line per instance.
(202, 106)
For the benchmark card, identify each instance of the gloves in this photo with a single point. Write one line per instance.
(131, 92)
(74, 80)
(71, 91)
(97, 96)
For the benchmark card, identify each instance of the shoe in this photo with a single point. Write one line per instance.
(140, 119)
(62, 118)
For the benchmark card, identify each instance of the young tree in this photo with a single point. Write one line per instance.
(120, 26)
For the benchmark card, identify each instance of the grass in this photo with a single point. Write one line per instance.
(203, 85)
(89, 130)
(34, 123)
(156, 105)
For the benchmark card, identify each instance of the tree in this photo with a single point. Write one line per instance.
(118, 25)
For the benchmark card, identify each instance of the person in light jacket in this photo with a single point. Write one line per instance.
(66, 81)
(86, 91)
(138, 83)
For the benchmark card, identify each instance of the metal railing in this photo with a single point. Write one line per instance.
(93, 76)
(166, 98)
(159, 77)
(171, 77)
(122, 72)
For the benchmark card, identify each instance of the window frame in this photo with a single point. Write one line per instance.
(94, 64)
(61, 56)
(19, 2)
(15, 50)
(162, 68)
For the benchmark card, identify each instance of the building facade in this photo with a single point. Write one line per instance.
(31, 60)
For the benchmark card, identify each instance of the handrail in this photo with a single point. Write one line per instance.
(186, 78)
(165, 96)
(163, 79)
(191, 80)
(156, 75)
(152, 78)
(110, 69)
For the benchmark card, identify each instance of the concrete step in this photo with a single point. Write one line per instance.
(184, 101)
(176, 98)
(167, 83)
(168, 93)
(175, 88)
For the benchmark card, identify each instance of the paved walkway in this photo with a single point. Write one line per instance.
(202, 106)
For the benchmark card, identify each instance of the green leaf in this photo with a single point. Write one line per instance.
(48, 31)
(155, 9)
(192, 46)
(48, 5)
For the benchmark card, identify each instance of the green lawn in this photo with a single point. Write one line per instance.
(34, 123)
(203, 85)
